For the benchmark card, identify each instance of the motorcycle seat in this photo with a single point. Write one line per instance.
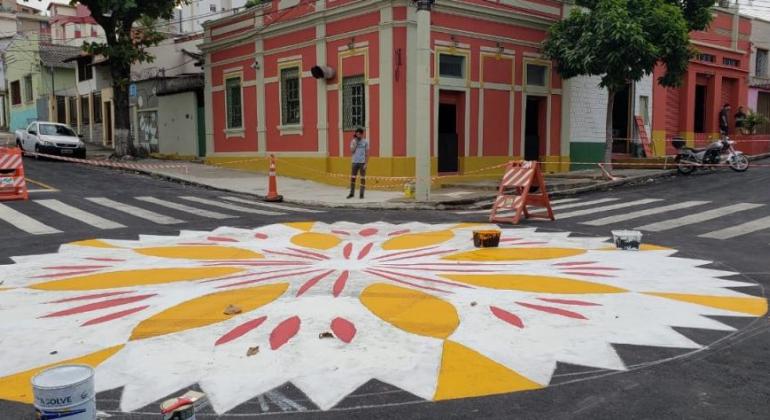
(696, 150)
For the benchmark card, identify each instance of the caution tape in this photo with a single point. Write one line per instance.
(108, 163)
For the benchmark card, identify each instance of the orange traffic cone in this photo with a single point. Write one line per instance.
(272, 186)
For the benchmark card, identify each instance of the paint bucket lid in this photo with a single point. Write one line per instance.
(62, 376)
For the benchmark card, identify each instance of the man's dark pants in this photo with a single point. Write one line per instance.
(358, 168)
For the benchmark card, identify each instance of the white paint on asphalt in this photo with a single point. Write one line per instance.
(584, 204)
(270, 205)
(739, 230)
(186, 209)
(22, 221)
(230, 206)
(80, 215)
(593, 210)
(669, 224)
(561, 201)
(135, 211)
(643, 213)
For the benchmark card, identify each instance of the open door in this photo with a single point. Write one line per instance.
(108, 140)
(447, 138)
(534, 127)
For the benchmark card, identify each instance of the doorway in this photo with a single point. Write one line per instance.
(108, 124)
(621, 121)
(534, 126)
(763, 108)
(451, 126)
(700, 109)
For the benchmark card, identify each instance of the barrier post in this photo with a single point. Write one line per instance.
(272, 184)
(13, 186)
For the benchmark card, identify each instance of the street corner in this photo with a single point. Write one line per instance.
(329, 307)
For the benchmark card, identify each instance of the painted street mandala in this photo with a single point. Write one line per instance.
(331, 307)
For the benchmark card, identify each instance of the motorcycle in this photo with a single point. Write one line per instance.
(722, 151)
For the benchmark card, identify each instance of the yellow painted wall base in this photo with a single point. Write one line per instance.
(336, 170)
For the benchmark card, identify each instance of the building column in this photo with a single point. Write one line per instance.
(566, 105)
(687, 107)
(321, 96)
(422, 102)
(386, 81)
(208, 110)
(259, 57)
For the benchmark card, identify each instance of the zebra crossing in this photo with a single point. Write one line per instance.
(43, 216)
(659, 215)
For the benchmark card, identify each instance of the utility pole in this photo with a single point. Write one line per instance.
(422, 117)
(54, 115)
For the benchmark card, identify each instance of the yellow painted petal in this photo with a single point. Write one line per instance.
(418, 240)
(206, 310)
(93, 243)
(466, 373)
(315, 240)
(132, 278)
(306, 226)
(512, 254)
(18, 387)
(208, 252)
(748, 305)
(468, 225)
(530, 283)
(411, 310)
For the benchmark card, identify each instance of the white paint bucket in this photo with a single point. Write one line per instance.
(65, 392)
(627, 239)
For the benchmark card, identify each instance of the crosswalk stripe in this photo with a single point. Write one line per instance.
(135, 211)
(698, 218)
(78, 214)
(474, 211)
(593, 210)
(739, 230)
(22, 221)
(271, 205)
(186, 209)
(642, 213)
(230, 206)
(584, 203)
(564, 200)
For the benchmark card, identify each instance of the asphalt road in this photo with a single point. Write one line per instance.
(730, 379)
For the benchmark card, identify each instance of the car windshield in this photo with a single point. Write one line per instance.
(56, 130)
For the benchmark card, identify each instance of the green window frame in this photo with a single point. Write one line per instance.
(234, 102)
(353, 102)
(290, 96)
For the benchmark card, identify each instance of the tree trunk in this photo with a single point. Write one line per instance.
(121, 78)
(608, 129)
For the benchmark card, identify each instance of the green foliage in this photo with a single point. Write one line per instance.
(128, 30)
(253, 3)
(752, 121)
(621, 41)
(696, 12)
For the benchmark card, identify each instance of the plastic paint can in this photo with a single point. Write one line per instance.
(65, 392)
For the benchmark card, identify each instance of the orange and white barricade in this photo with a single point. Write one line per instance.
(514, 194)
(12, 183)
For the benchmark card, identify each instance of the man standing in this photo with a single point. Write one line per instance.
(359, 149)
(740, 117)
(724, 118)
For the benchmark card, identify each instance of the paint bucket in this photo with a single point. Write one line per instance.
(409, 188)
(65, 391)
(627, 240)
(486, 238)
(184, 406)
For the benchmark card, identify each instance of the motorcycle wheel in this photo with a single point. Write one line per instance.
(739, 163)
(684, 168)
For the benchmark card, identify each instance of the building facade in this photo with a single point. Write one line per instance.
(193, 14)
(717, 75)
(759, 71)
(296, 78)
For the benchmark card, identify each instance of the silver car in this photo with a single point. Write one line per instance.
(51, 139)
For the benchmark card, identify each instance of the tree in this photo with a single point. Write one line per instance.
(126, 43)
(252, 3)
(622, 41)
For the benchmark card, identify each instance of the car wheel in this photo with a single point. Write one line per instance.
(37, 152)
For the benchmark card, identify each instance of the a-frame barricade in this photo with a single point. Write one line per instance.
(13, 185)
(515, 194)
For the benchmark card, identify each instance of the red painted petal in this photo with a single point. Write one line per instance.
(240, 330)
(104, 259)
(284, 332)
(347, 250)
(66, 273)
(255, 280)
(368, 232)
(221, 239)
(76, 267)
(260, 235)
(339, 284)
(399, 232)
(446, 251)
(507, 316)
(96, 296)
(570, 264)
(570, 302)
(341, 232)
(115, 315)
(98, 305)
(586, 273)
(312, 254)
(391, 278)
(364, 252)
(343, 329)
(312, 282)
(552, 310)
(411, 251)
(594, 268)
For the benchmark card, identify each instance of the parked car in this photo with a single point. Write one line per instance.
(51, 139)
